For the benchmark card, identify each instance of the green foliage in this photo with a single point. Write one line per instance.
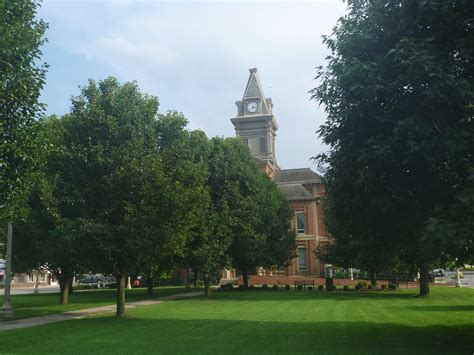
(398, 92)
(110, 140)
(51, 235)
(21, 79)
(252, 208)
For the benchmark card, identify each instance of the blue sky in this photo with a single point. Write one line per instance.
(195, 56)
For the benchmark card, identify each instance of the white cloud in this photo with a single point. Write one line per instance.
(194, 56)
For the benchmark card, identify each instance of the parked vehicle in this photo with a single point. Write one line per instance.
(91, 279)
(437, 273)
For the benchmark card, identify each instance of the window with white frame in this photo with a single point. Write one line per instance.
(300, 223)
(301, 259)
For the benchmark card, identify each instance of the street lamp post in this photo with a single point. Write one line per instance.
(7, 309)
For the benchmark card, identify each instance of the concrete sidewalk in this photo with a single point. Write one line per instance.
(60, 317)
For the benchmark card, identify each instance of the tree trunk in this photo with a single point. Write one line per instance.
(63, 289)
(196, 274)
(245, 277)
(150, 284)
(424, 281)
(329, 283)
(186, 278)
(121, 280)
(71, 290)
(207, 286)
(373, 278)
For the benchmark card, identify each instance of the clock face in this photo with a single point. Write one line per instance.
(252, 107)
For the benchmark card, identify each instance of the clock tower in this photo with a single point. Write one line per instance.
(256, 125)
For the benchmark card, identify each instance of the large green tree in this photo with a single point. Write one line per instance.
(256, 213)
(181, 205)
(112, 144)
(22, 77)
(398, 90)
(53, 235)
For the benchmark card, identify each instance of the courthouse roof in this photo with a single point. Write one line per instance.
(297, 176)
(295, 192)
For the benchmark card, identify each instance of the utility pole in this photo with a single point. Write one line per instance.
(7, 310)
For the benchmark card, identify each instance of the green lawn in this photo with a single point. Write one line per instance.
(270, 322)
(26, 306)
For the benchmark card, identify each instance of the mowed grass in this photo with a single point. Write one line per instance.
(259, 322)
(27, 306)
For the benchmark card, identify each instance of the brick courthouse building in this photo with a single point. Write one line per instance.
(256, 126)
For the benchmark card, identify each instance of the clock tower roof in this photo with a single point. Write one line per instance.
(255, 123)
(253, 91)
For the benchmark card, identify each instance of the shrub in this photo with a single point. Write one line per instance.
(310, 288)
(299, 287)
(252, 287)
(384, 287)
(331, 288)
(320, 287)
(275, 287)
(392, 286)
(346, 288)
(371, 287)
(85, 287)
(265, 286)
(361, 285)
(287, 287)
(241, 287)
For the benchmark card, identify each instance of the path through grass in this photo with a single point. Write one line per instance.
(27, 306)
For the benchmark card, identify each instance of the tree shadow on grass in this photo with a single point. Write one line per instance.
(441, 308)
(233, 336)
(259, 295)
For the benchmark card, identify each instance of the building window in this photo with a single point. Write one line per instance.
(300, 222)
(263, 145)
(301, 259)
